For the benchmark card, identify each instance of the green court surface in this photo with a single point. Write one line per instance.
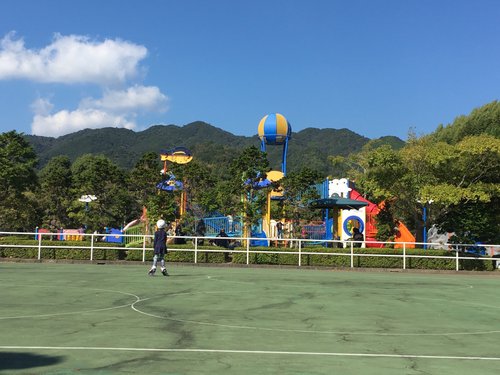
(114, 319)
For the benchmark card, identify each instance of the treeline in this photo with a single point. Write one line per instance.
(50, 197)
(453, 172)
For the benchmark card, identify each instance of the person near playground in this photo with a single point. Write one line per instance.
(170, 234)
(279, 229)
(224, 242)
(200, 231)
(160, 248)
(357, 236)
(179, 233)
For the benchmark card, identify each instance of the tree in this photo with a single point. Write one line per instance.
(98, 176)
(144, 177)
(55, 192)
(482, 120)
(18, 208)
(467, 189)
(199, 186)
(246, 171)
(472, 222)
(143, 180)
(299, 188)
(456, 178)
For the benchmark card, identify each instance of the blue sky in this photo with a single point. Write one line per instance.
(377, 67)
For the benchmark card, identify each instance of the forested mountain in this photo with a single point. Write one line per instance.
(208, 144)
(482, 120)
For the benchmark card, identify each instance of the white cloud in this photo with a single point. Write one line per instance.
(71, 59)
(65, 122)
(42, 106)
(115, 109)
(78, 59)
(133, 99)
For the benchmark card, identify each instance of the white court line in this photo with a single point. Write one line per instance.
(133, 307)
(272, 352)
(137, 299)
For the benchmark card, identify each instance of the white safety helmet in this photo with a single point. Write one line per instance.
(160, 223)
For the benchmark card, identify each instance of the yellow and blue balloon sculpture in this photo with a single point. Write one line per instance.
(274, 129)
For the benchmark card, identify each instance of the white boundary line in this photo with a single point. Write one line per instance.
(81, 311)
(229, 351)
(139, 300)
(133, 307)
(250, 352)
(256, 328)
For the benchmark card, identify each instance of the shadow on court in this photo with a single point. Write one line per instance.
(19, 360)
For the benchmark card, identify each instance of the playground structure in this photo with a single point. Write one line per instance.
(232, 225)
(169, 183)
(343, 207)
(68, 234)
(351, 210)
(111, 235)
(178, 155)
(275, 130)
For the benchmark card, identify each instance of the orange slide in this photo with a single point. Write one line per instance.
(403, 235)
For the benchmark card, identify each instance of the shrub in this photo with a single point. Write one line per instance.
(315, 256)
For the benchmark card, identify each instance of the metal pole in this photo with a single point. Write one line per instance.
(144, 249)
(404, 255)
(300, 251)
(40, 246)
(456, 262)
(195, 250)
(92, 247)
(424, 218)
(352, 255)
(248, 251)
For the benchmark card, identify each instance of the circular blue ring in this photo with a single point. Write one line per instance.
(358, 219)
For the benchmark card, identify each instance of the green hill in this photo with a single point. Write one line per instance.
(482, 120)
(309, 147)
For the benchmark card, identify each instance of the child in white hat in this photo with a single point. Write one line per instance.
(160, 248)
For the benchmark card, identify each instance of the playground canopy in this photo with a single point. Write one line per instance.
(337, 202)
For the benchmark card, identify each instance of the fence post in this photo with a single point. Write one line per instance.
(300, 251)
(248, 251)
(404, 255)
(144, 248)
(195, 250)
(92, 247)
(456, 261)
(352, 255)
(40, 245)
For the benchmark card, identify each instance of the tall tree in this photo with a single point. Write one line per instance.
(55, 192)
(246, 171)
(299, 187)
(144, 177)
(17, 178)
(98, 176)
(466, 189)
(482, 120)
(455, 178)
(199, 186)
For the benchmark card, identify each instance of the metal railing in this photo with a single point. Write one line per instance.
(296, 247)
